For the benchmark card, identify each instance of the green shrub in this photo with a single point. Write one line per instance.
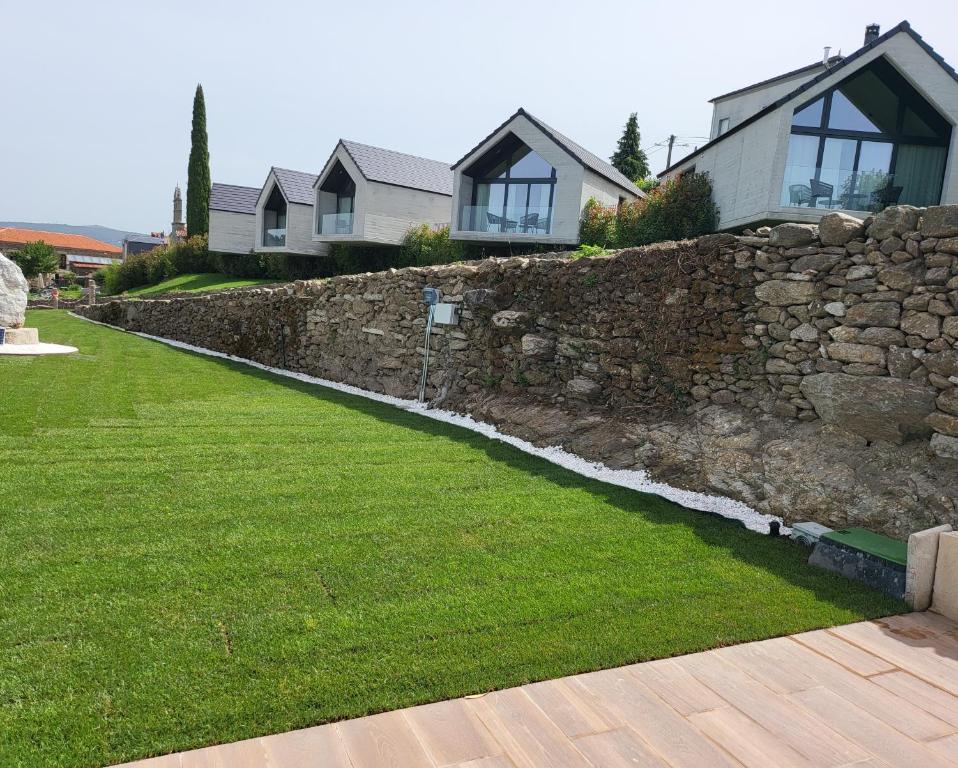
(68, 278)
(598, 224)
(679, 209)
(425, 245)
(159, 264)
(36, 258)
(354, 259)
(238, 264)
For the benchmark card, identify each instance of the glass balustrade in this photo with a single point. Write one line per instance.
(274, 238)
(839, 189)
(522, 220)
(336, 224)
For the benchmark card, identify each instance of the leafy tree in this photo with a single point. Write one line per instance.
(198, 175)
(36, 258)
(629, 157)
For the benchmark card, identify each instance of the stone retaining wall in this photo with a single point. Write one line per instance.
(848, 330)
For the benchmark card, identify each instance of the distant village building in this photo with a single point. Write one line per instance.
(78, 253)
(136, 244)
(178, 227)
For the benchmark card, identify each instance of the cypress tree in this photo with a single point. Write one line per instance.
(198, 175)
(629, 157)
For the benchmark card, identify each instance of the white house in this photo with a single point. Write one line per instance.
(284, 214)
(232, 218)
(371, 196)
(526, 182)
(852, 134)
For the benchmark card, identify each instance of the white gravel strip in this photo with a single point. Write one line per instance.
(636, 479)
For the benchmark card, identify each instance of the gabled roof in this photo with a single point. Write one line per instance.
(903, 27)
(399, 169)
(296, 186)
(148, 239)
(56, 239)
(832, 61)
(578, 153)
(233, 198)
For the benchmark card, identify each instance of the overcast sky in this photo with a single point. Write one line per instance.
(95, 125)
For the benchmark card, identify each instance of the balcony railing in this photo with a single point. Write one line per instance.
(522, 220)
(274, 238)
(831, 188)
(336, 224)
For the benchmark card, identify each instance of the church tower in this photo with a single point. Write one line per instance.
(178, 230)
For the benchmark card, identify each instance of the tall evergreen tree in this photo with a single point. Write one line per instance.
(629, 157)
(198, 175)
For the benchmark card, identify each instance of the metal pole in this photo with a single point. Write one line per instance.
(425, 360)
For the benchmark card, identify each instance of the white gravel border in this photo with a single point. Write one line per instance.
(636, 479)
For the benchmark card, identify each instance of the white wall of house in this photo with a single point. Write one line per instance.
(232, 232)
(743, 105)
(382, 213)
(567, 201)
(392, 211)
(748, 167)
(604, 191)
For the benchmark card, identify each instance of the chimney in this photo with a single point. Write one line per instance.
(871, 33)
(825, 57)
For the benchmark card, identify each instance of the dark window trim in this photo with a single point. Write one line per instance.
(905, 100)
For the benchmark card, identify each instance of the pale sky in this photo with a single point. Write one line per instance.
(97, 94)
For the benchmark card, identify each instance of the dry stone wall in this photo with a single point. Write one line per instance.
(781, 367)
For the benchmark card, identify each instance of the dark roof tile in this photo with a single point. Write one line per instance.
(233, 198)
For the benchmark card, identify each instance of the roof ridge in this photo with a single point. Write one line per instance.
(392, 151)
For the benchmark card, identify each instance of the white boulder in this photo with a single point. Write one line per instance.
(13, 294)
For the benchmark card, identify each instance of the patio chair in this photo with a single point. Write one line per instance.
(529, 222)
(799, 194)
(884, 197)
(500, 223)
(821, 190)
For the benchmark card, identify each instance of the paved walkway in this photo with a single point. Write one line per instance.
(881, 693)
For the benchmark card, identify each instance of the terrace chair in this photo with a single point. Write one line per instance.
(500, 223)
(884, 197)
(799, 194)
(821, 190)
(529, 222)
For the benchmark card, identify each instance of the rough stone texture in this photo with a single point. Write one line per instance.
(727, 365)
(894, 222)
(13, 294)
(940, 221)
(886, 314)
(875, 408)
(790, 235)
(786, 292)
(839, 228)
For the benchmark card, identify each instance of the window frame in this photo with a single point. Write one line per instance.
(920, 106)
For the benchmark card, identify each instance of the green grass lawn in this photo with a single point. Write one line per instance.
(202, 282)
(193, 551)
(66, 292)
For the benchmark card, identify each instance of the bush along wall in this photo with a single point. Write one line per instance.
(676, 210)
(809, 371)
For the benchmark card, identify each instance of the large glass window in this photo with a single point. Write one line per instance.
(513, 191)
(274, 220)
(337, 202)
(870, 142)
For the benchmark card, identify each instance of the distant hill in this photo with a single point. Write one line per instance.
(97, 232)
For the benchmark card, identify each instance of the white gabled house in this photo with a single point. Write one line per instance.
(232, 218)
(372, 196)
(852, 134)
(526, 182)
(284, 214)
